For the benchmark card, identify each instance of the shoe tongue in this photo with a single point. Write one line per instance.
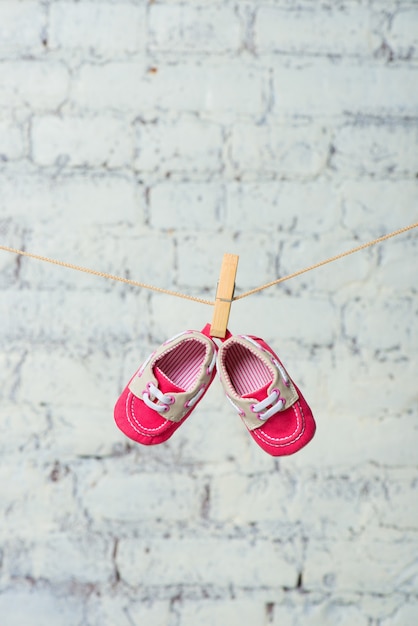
(260, 394)
(165, 384)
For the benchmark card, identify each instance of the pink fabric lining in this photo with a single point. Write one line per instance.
(183, 364)
(246, 371)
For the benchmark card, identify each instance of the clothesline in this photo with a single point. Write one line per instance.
(170, 292)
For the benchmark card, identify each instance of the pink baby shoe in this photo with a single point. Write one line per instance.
(167, 387)
(261, 391)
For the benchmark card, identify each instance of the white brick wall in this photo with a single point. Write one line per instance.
(146, 139)
(99, 29)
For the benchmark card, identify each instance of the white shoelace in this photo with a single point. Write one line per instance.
(276, 402)
(212, 363)
(273, 399)
(165, 398)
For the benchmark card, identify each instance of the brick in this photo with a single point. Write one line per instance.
(320, 88)
(110, 200)
(71, 27)
(36, 496)
(22, 424)
(95, 437)
(401, 510)
(295, 312)
(380, 150)
(362, 566)
(170, 315)
(396, 267)
(232, 612)
(313, 30)
(79, 141)
(402, 36)
(299, 252)
(223, 89)
(42, 605)
(245, 499)
(372, 208)
(189, 144)
(118, 609)
(21, 27)
(279, 150)
(351, 501)
(378, 325)
(355, 438)
(405, 615)
(147, 496)
(39, 85)
(12, 141)
(214, 562)
(180, 206)
(379, 606)
(181, 28)
(116, 86)
(56, 317)
(78, 388)
(274, 206)
(62, 559)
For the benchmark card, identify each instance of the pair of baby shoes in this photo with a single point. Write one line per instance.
(173, 379)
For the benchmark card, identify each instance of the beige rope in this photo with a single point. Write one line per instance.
(136, 283)
(330, 260)
(121, 279)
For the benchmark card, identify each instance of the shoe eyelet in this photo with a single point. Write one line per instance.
(242, 413)
(166, 408)
(252, 407)
(171, 399)
(276, 391)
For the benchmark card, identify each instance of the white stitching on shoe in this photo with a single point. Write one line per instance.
(190, 403)
(184, 332)
(130, 397)
(237, 408)
(282, 371)
(211, 365)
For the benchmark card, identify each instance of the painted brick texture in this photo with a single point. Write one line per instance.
(146, 139)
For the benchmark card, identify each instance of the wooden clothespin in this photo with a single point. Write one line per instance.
(224, 295)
